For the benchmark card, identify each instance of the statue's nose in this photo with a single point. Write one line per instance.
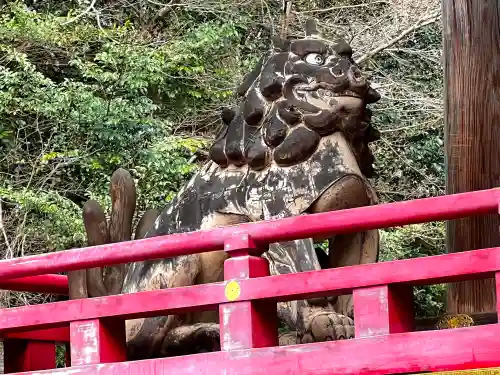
(372, 96)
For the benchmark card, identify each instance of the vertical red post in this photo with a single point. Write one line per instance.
(245, 324)
(381, 310)
(497, 291)
(67, 354)
(97, 341)
(497, 284)
(26, 355)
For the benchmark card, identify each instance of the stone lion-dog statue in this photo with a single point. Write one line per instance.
(298, 143)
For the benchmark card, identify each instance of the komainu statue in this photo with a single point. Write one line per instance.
(296, 144)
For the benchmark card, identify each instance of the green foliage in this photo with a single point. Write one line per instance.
(415, 241)
(410, 155)
(77, 101)
(165, 170)
(60, 356)
(60, 218)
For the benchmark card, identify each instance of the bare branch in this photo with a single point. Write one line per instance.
(323, 10)
(4, 234)
(287, 9)
(89, 8)
(424, 21)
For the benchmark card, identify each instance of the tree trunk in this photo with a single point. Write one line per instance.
(472, 132)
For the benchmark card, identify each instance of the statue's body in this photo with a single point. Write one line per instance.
(297, 144)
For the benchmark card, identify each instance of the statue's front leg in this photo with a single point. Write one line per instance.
(324, 324)
(311, 320)
(317, 324)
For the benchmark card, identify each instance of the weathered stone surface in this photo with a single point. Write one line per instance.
(312, 80)
(297, 143)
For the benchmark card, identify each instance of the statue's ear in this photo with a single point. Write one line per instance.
(250, 78)
(227, 115)
(342, 47)
(312, 28)
(280, 44)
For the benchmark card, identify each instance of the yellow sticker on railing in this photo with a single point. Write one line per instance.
(232, 290)
(477, 371)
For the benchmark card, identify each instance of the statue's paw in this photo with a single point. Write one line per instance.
(192, 339)
(288, 338)
(323, 324)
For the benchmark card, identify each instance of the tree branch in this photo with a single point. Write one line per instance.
(89, 8)
(4, 233)
(323, 10)
(424, 21)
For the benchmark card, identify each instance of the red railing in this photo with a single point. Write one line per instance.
(384, 343)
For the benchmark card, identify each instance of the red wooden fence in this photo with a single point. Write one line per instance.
(385, 342)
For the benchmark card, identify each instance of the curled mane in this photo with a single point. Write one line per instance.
(301, 90)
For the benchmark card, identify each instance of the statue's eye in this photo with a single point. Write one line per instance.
(314, 59)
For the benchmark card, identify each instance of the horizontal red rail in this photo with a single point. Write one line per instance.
(435, 269)
(51, 334)
(464, 348)
(54, 284)
(382, 301)
(353, 220)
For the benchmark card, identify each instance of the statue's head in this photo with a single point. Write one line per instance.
(301, 90)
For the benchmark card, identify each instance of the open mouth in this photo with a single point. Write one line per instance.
(328, 98)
